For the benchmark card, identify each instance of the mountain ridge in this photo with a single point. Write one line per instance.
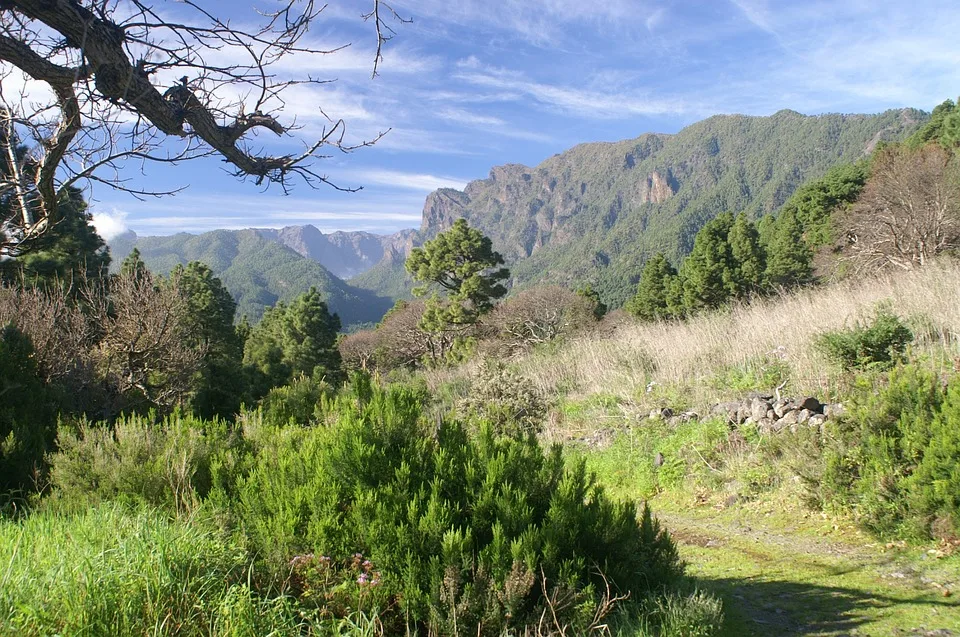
(256, 270)
(595, 212)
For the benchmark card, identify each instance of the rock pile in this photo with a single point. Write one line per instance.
(772, 415)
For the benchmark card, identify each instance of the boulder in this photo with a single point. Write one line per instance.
(817, 420)
(730, 411)
(758, 409)
(788, 418)
(782, 406)
(767, 426)
(834, 410)
(803, 415)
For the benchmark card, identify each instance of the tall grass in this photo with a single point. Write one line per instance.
(107, 571)
(776, 333)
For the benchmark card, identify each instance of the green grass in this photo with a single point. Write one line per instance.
(782, 571)
(106, 571)
(779, 568)
(110, 570)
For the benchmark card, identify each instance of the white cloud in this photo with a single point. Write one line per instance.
(110, 224)
(756, 12)
(408, 181)
(655, 19)
(583, 103)
(466, 117)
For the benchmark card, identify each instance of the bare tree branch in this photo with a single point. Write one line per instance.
(125, 78)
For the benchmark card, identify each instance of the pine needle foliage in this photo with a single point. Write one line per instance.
(461, 528)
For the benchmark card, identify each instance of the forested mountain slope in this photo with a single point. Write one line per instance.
(258, 271)
(596, 212)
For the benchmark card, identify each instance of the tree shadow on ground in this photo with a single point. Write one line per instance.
(756, 606)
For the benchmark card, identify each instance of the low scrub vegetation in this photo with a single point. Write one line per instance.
(376, 514)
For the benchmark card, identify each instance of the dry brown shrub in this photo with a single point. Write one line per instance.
(909, 210)
(537, 315)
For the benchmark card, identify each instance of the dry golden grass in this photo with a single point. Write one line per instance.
(775, 333)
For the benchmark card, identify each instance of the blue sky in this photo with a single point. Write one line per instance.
(470, 84)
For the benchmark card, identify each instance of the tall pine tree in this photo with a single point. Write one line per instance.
(651, 301)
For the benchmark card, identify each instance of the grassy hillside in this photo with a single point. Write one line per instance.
(257, 271)
(596, 212)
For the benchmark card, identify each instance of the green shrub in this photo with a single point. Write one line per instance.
(27, 417)
(172, 464)
(294, 403)
(879, 344)
(895, 461)
(505, 399)
(460, 528)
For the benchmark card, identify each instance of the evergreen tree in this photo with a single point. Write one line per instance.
(599, 307)
(219, 386)
(293, 340)
(133, 265)
(710, 272)
(789, 260)
(462, 261)
(815, 203)
(68, 251)
(27, 412)
(744, 240)
(651, 301)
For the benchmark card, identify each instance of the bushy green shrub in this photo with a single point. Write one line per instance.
(462, 529)
(173, 463)
(294, 403)
(876, 345)
(27, 415)
(505, 399)
(895, 461)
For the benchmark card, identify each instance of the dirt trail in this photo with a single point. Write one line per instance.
(813, 578)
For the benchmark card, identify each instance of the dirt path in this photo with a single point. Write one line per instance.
(783, 576)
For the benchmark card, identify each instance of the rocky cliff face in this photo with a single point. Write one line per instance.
(345, 254)
(597, 211)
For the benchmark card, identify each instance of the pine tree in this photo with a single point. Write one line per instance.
(789, 260)
(219, 388)
(293, 340)
(651, 301)
(460, 261)
(749, 256)
(133, 265)
(709, 274)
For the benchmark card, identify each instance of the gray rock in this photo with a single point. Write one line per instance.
(788, 418)
(782, 406)
(834, 410)
(803, 415)
(771, 414)
(759, 408)
(817, 420)
(767, 426)
(730, 411)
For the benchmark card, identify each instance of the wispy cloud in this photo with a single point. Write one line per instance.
(756, 12)
(584, 103)
(408, 181)
(466, 117)
(655, 19)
